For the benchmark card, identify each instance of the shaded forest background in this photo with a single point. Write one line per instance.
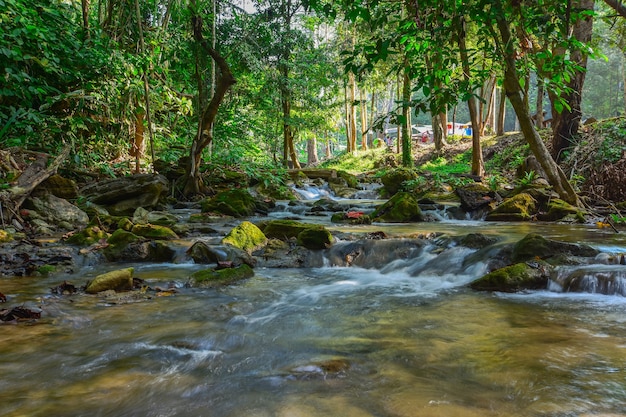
(128, 84)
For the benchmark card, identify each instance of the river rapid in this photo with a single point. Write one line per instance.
(401, 340)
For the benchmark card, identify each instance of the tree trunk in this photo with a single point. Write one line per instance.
(501, 112)
(407, 160)
(443, 119)
(539, 119)
(351, 116)
(512, 84)
(311, 152)
(478, 166)
(193, 183)
(364, 128)
(565, 124)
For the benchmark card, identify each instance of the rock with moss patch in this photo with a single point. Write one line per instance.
(284, 229)
(520, 207)
(5, 236)
(401, 208)
(534, 246)
(476, 197)
(393, 179)
(246, 236)
(204, 253)
(218, 277)
(119, 280)
(559, 210)
(153, 231)
(315, 238)
(88, 236)
(514, 278)
(236, 203)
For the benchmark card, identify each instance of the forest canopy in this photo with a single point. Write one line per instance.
(277, 83)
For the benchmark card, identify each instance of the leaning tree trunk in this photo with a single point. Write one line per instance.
(193, 183)
(515, 94)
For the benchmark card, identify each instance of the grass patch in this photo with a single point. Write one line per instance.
(356, 163)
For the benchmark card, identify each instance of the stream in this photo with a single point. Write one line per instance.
(404, 339)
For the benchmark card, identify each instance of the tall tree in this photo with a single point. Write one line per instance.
(193, 183)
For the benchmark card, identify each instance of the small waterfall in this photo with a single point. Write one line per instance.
(594, 279)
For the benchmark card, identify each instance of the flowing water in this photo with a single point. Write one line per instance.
(404, 339)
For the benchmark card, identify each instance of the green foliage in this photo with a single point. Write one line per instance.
(613, 146)
(357, 162)
(527, 179)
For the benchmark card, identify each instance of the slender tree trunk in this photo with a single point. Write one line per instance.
(346, 96)
(566, 123)
(85, 10)
(351, 112)
(146, 85)
(372, 116)
(364, 129)
(443, 119)
(539, 119)
(478, 166)
(512, 84)
(501, 112)
(407, 159)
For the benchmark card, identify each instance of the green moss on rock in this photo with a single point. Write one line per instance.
(534, 246)
(246, 236)
(520, 207)
(5, 236)
(393, 179)
(401, 208)
(87, 236)
(153, 231)
(237, 203)
(559, 209)
(315, 238)
(219, 277)
(284, 229)
(119, 280)
(513, 278)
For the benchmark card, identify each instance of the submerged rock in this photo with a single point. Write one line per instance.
(119, 280)
(219, 277)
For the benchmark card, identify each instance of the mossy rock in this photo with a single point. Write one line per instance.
(394, 178)
(218, 277)
(315, 238)
(123, 237)
(204, 253)
(534, 246)
(559, 209)
(45, 270)
(401, 208)
(350, 179)
(153, 231)
(88, 236)
(284, 229)
(344, 218)
(246, 236)
(517, 277)
(277, 192)
(237, 203)
(476, 196)
(119, 280)
(5, 236)
(125, 224)
(520, 207)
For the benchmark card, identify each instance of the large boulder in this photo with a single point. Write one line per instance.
(393, 179)
(246, 236)
(311, 236)
(476, 197)
(401, 208)
(534, 246)
(517, 277)
(238, 203)
(122, 196)
(520, 207)
(57, 211)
